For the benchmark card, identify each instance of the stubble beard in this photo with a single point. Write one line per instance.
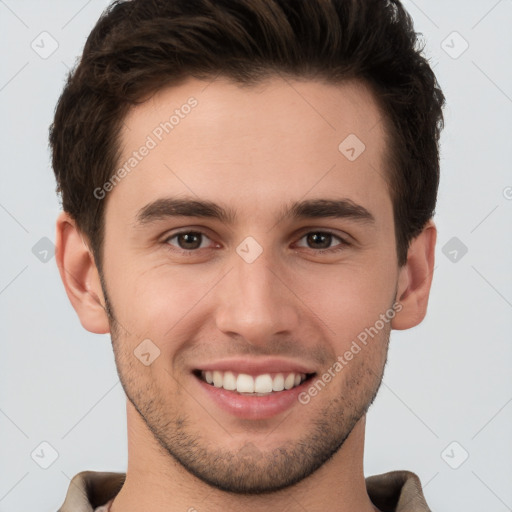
(249, 470)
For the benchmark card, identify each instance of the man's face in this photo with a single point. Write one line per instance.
(260, 294)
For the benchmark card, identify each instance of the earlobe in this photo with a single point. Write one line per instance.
(80, 276)
(415, 279)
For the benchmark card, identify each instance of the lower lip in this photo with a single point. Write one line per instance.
(253, 407)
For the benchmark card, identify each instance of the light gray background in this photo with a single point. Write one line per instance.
(447, 380)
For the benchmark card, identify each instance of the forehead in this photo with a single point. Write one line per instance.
(278, 141)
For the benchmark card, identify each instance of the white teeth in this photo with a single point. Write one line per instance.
(229, 381)
(217, 379)
(260, 385)
(245, 383)
(263, 384)
(289, 381)
(278, 382)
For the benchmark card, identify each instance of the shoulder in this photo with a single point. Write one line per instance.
(91, 489)
(397, 490)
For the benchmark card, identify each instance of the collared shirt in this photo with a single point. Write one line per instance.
(396, 491)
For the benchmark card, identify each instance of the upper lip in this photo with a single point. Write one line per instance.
(257, 366)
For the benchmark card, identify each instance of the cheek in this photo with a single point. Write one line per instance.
(156, 302)
(347, 299)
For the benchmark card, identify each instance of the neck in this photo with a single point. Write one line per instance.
(156, 482)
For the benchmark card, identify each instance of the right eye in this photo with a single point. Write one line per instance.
(187, 241)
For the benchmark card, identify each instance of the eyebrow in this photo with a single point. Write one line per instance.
(168, 207)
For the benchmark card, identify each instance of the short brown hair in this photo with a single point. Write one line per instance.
(140, 46)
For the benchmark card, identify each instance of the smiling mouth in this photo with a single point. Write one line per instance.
(253, 385)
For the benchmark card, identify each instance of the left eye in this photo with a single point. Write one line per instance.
(188, 240)
(321, 240)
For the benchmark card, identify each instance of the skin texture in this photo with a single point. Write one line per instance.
(252, 150)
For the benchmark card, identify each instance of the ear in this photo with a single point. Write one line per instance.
(80, 276)
(415, 279)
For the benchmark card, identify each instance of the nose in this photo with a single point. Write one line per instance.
(256, 302)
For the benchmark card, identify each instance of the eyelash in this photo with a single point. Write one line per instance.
(190, 252)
